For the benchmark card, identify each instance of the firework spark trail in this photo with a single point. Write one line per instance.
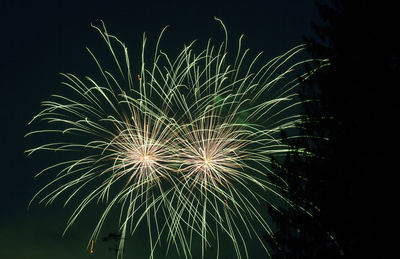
(190, 140)
(125, 137)
(228, 125)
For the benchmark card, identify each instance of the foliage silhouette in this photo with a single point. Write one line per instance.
(350, 124)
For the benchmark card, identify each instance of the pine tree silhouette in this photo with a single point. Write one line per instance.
(351, 124)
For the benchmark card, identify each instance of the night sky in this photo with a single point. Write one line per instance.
(40, 39)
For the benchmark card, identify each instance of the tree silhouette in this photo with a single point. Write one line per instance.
(351, 129)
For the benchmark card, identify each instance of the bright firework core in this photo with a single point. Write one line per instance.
(146, 159)
(142, 159)
(207, 163)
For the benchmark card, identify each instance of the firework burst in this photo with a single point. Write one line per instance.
(185, 149)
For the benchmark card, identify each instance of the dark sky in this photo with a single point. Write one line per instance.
(39, 39)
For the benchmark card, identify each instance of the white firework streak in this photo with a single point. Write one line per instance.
(231, 118)
(118, 135)
(190, 140)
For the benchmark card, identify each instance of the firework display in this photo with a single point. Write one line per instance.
(182, 145)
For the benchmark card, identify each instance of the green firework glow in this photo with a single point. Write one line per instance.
(183, 146)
